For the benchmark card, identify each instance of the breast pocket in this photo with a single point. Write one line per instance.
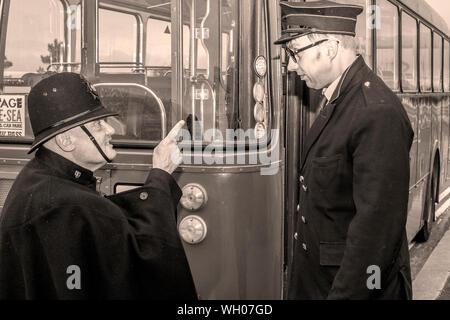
(331, 255)
(325, 170)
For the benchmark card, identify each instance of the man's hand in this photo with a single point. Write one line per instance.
(167, 156)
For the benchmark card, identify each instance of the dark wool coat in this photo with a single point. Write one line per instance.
(354, 181)
(126, 246)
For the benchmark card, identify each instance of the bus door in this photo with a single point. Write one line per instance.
(226, 84)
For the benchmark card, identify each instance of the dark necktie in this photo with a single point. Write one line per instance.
(323, 103)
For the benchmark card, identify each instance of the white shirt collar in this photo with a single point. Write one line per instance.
(328, 92)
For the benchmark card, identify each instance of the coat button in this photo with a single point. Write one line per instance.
(304, 246)
(298, 208)
(367, 84)
(296, 236)
(304, 219)
(302, 179)
(305, 188)
(143, 195)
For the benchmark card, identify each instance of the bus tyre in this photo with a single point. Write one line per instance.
(429, 212)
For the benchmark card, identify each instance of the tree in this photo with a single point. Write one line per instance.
(55, 50)
(40, 70)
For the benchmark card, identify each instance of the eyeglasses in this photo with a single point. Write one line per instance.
(292, 53)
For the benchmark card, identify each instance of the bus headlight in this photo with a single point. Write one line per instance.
(194, 197)
(192, 229)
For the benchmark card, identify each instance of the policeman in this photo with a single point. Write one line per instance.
(60, 239)
(350, 239)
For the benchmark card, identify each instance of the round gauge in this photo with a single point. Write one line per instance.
(194, 197)
(260, 66)
(258, 92)
(192, 229)
(260, 130)
(258, 112)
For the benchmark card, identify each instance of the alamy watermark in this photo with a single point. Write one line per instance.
(373, 15)
(73, 17)
(238, 147)
(73, 282)
(374, 280)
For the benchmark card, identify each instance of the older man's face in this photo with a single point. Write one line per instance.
(85, 152)
(313, 65)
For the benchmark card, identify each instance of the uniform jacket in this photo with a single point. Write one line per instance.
(353, 186)
(126, 246)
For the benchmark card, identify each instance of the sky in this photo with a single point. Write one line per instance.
(443, 7)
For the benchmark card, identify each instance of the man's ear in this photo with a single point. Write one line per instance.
(65, 141)
(332, 49)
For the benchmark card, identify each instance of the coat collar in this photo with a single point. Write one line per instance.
(63, 168)
(351, 77)
(347, 78)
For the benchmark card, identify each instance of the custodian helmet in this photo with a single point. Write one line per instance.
(61, 102)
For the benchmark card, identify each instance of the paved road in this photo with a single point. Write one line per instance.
(445, 294)
(430, 263)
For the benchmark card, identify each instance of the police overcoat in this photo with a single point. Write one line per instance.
(353, 186)
(60, 239)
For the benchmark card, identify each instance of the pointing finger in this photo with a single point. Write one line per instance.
(174, 131)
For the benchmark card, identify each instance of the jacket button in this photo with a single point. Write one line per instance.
(304, 219)
(304, 246)
(296, 236)
(302, 179)
(298, 208)
(143, 195)
(305, 188)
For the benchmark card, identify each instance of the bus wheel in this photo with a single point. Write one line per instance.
(429, 212)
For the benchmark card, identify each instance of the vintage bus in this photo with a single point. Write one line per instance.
(213, 63)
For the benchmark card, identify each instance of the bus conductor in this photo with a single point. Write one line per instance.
(350, 239)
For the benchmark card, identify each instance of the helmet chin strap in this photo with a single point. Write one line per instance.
(96, 144)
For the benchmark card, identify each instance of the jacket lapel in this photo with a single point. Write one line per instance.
(316, 129)
(325, 115)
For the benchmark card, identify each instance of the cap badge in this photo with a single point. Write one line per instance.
(90, 88)
(77, 174)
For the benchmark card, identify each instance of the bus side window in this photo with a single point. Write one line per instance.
(159, 47)
(35, 43)
(363, 30)
(446, 66)
(409, 53)
(437, 62)
(425, 58)
(117, 41)
(35, 47)
(387, 44)
(158, 61)
(119, 63)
